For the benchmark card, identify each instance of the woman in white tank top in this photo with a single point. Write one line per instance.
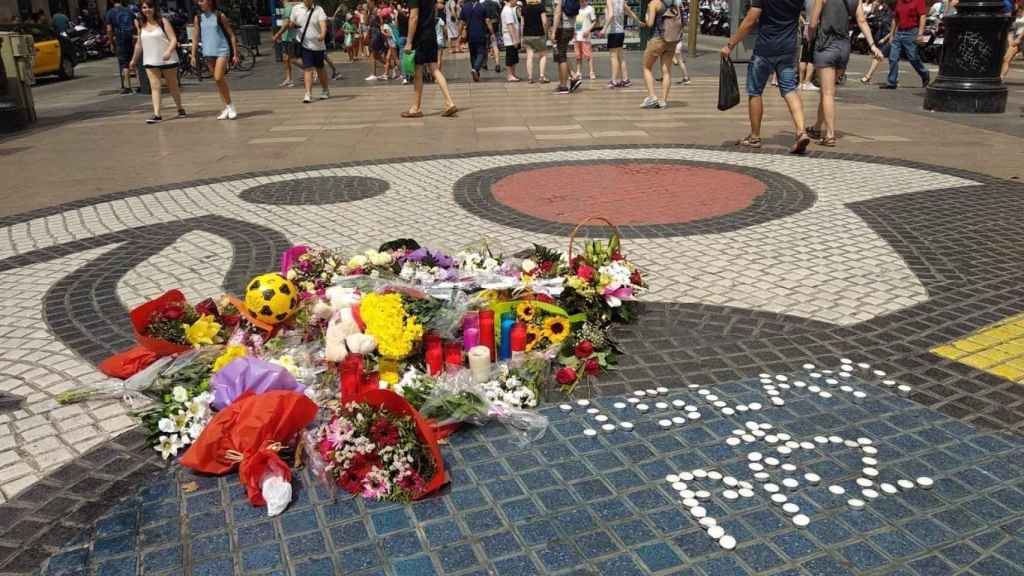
(158, 47)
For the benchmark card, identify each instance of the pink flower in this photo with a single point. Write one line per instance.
(614, 297)
(585, 272)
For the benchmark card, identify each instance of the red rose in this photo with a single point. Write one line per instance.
(585, 272)
(207, 308)
(565, 376)
(230, 321)
(635, 279)
(546, 266)
(584, 349)
(592, 367)
(172, 312)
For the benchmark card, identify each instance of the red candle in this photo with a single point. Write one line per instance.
(487, 331)
(452, 356)
(433, 355)
(518, 337)
(351, 376)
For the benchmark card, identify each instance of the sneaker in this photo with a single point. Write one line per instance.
(574, 84)
(662, 104)
(887, 86)
(182, 113)
(307, 98)
(286, 84)
(325, 94)
(405, 81)
(476, 75)
(371, 78)
(562, 90)
(154, 120)
(685, 80)
(625, 83)
(650, 103)
(334, 74)
(810, 87)
(613, 84)
(232, 114)
(223, 114)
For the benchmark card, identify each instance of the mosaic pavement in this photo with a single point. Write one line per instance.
(840, 256)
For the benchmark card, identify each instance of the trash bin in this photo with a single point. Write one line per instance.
(251, 37)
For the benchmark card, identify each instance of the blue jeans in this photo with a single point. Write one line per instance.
(903, 41)
(760, 70)
(477, 54)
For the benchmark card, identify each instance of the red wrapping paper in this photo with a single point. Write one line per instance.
(395, 404)
(140, 318)
(249, 426)
(126, 364)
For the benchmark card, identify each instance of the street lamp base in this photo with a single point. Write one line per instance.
(965, 97)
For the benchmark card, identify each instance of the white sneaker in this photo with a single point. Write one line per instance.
(810, 87)
(232, 114)
(287, 84)
(662, 104)
(307, 98)
(325, 95)
(405, 81)
(650, 103)
(223, 114)
(371, 78)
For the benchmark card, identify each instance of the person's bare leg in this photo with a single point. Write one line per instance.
(871, 69)
(321, 72)
(154, 88)
(220, 68)
(529, 64)
(827, 106)
(307, 79)
(287, 68)
(796, 110)
(417, 83)
(755, 106)
(613, 56)
(171, 77)
(442, 83)
(543, 64)
(666, 75)
(624, 76)
(649, 75)
(590, 63)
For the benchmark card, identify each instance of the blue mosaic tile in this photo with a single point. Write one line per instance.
(113, 546)
(622, 565)
(521, 509)
(516, 566)
(203, 502)
(537, 532)
(389, 521)
(724, 565)
(863, 556)
(648, 498)
(298, 521)
(596, 544)
(67, 562)
(261, 558)
(482, 521)
(657, 557)
(569, 471)
(341, 510)
(896, 543)
(442, 533)
(695, 544)
(310, 544)
(826, 565)
(932, 566)
(928, 532)
(556, 499)
(116, 524)
(559, 556)
(624, 479)
(468, 498)
(611, 509)
(430, 508)
(161, 534)
(208, 545)
(418, 566)
(538, 479)
(254, 534)
(501, 544)
(457, 558)
(315, 567)
(503, 489)
(795, 544)
(206, 522)
(760, 557)
(161, 559)
(358, 558)
(126, 566)
(573, 522)
(214, 567)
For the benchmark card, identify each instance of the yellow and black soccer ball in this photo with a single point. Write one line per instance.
(271, 297)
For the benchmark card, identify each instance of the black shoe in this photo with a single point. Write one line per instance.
(562, 90)
(126, 91)
(926, 81)
(887, 87)
(154, 120)
(476, 75)
(497, 69)
(574, 84)
(181, 113)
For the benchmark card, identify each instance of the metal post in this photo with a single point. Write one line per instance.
(691, 40)
(971, 61)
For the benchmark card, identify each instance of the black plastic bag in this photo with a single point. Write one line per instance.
(728, 86)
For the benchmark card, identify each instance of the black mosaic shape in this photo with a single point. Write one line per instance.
(783, 196)
(82, 309)
(9, 402)
(316, 190)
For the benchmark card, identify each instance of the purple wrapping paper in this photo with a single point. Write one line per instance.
(249, 373)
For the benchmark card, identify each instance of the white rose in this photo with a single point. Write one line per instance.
(166, 425)
(357, 261)
(179, 394)
(529, 266)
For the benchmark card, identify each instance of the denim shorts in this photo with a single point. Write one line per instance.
(760, 70)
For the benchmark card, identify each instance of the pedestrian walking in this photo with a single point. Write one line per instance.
(535, 37)
(665, 20)
(679, 60)
(883, 35)
(311, 20)
(212, 30)
(378, 45)
(473, 27)
(777, 24)
(1013, 40)
(829, 26)
(441, 32)
(615, 33)
(451, 21)
(586, 18)
(806, 69)
(563, 31)
(910, 16)
(510, 31)
(158, 48)
(494, 8)
(285, 35)
(121, 31)
(348, 29)
(422, 38)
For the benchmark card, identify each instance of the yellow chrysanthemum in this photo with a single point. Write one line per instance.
(202, 331)
(556, 328)
(526, 311)
(386, 321)
(230, 353)
(534, 335)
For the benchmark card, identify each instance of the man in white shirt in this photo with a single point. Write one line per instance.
(510, 31)
(310, 21)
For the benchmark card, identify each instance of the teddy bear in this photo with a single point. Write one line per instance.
(344, 330)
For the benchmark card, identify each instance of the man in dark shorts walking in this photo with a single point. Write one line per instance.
(563, 31)
(422, 37)
(121, 30)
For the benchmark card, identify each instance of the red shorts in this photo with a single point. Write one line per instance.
(584, 50)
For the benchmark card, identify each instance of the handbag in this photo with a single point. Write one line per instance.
(295, 48)
(728, 85)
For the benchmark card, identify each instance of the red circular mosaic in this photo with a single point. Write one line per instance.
(627, 193)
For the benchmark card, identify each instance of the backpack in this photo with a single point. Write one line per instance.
(571, 8)
(672, 25)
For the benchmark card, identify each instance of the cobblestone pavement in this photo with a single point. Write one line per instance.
(838, 256)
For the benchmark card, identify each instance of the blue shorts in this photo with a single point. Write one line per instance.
(760, 70)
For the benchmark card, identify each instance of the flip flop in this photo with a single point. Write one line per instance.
(749, 142)
(408, 114)
(450, 112)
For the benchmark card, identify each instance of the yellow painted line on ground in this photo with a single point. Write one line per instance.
(997, 349)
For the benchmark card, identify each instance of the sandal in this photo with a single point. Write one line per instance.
(814, 133)
(449, 112)
(408, 114)
(829, 141)
(749, 142)
(544, 80)
(802, 141)
(865, 80)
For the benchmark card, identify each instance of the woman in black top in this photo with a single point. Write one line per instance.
(535, 35)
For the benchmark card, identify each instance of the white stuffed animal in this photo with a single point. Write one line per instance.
(335, 299)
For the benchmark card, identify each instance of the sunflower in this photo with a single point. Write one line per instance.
(534, 335)
(556, 328)
(526, 311)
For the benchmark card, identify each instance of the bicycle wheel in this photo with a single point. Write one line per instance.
(246, 59)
